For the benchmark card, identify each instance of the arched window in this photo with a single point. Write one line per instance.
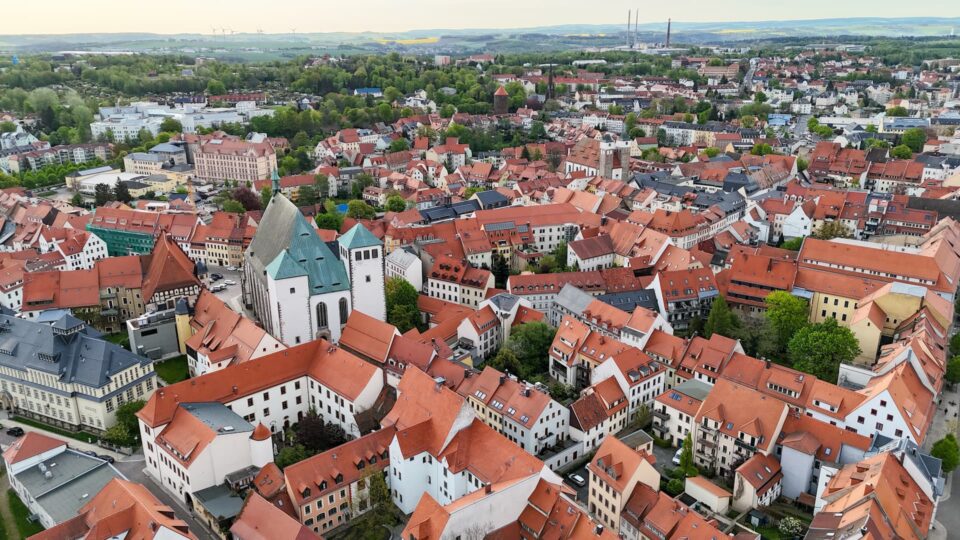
(343, 311)
(322, 315)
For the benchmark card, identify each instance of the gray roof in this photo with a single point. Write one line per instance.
(218, 417)
(504, 301)
(573, 299)
(74, 478)
(70, 352)
(629, 300)
(220, 501)
(166, 147)
(285, 246)
(491, 197)
(403, 258)
(693, 388)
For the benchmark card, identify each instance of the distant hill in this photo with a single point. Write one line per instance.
(569, 36)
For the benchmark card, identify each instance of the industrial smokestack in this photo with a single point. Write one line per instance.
(636, 29)
(629, 35)
(668, 33)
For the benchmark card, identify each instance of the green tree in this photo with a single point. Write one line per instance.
(914, 138)
(790, 527)
(401, 300)
(76, 200)
(322, 182)
(720, 320)
(360, 183)
(500, 270)
(171, 125)
(686, 457)
(360, 210)
(530, 342)
(395, 203)
(331, 219)
(832, 229)
(898, 111)
(399, 145)
(711, 151)
(802, 164)
(289, 455)
(901, 152)
(121, 192)
(819, 349)
(233, 206)
(506, 361)
(786, 315)
(675, 487)
(748, 121)
(7, 127)
(102, 194)
(266, 193)
(761, 149)
(953, 370)
(216, 88)
(307, 195)
(947, 451)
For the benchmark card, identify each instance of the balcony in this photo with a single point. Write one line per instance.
(744, 446)
(660, 414)
(659, 428)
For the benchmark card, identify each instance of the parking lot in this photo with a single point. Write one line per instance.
(229, 293)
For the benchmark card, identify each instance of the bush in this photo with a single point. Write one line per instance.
(675, 487)
(790, 526)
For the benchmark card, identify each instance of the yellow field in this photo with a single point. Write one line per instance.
(737, 31)
(415, 41)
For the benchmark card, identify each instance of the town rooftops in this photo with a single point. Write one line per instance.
(333, 367)
(121, 508)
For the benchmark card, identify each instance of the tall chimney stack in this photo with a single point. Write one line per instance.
(629, 35)
(668, 33)
(636, 29)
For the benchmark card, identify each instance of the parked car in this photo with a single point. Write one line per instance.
(229, 282)
(90, 453)
(576, 480)
(232, 268)
(216, 277)
(105, 457)
(15, 431)
(676, 456)
(219, 287)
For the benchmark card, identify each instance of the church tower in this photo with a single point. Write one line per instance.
(362, 254)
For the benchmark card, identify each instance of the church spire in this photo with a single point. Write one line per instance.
(275, 180)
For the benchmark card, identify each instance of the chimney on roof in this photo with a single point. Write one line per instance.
(766, 362)
(599, 529)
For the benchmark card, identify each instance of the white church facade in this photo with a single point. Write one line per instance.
(299, 287)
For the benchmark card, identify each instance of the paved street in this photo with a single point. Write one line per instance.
(233, 293)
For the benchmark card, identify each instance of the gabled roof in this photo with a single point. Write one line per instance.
(260, 520)
(167, 268)
(30, 445)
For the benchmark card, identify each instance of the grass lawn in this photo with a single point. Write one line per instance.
(173, 370)
(20, 514)
(769, 532)
(80, 436)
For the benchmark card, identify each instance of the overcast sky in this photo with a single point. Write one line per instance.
(279, 16)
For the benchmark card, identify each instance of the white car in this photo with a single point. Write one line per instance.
(676, 457)
(232, 268)
(577, 480)
(229, 282)
(218, 287)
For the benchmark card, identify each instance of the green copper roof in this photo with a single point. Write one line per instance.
(358, 237)
(307, 255)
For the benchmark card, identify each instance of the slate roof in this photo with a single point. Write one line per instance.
(358, 237)
(286, 246)
(73, 355)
